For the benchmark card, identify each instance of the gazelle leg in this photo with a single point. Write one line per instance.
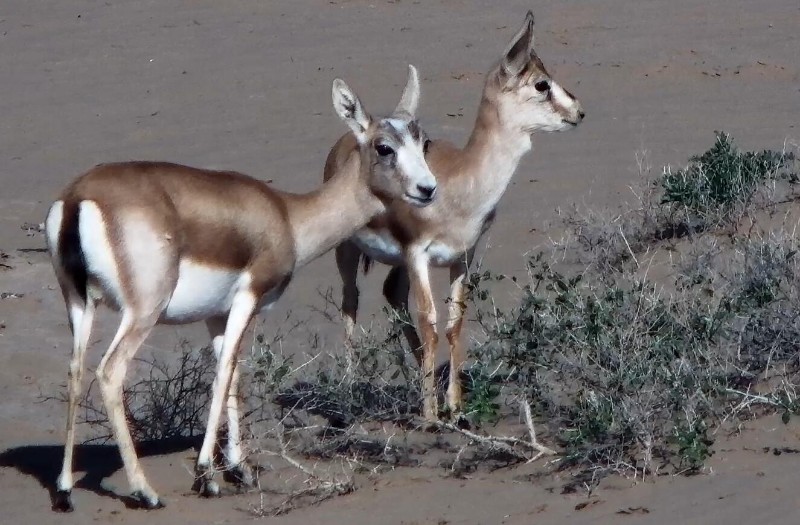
(242, 310)
(236, 467)
(395, 290)
(81, 315)
(426, 319)
(132, 332)
(455, 318)
(347, 258)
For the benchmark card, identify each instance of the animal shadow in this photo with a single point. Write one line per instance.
(97, 462)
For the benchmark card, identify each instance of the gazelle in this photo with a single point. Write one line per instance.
(164, 243)
(519, 98)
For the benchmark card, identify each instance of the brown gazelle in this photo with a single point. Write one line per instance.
(519, 98)
(164, 243)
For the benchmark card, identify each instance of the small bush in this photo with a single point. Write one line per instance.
(373, 383)
(717, 187)
(170, 402)
(483, 396)
(613, 367)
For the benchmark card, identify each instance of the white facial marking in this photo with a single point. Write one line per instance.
(399, 125)
(201, 292)
(562, 99)
(101, 264)
(411, 161)
(529, 110)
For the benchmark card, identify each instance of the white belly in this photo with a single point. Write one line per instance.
(201, 292)
(382, 247)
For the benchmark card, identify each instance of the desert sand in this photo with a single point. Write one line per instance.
(245, 85)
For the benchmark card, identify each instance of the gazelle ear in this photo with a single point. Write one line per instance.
(349, 109)
(410, 99)
(519, 50)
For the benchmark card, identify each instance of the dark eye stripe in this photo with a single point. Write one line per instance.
(414, 130)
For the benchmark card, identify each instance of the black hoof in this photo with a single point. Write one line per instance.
(62, 501)
(210, 490)
(431, 426)
(205, 488)
(242, 476)
(144, 502)
(461, 421)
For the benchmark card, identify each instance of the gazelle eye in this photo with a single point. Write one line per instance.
(542, 86)
(383, 150)
(426, 146)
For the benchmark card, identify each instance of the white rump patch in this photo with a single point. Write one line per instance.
(201, 292)
(53, 226)
(101, 266)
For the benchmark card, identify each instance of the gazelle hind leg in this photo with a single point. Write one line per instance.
(395, 289)
(132, 332)
(237, 470)
(142, 272)
(81, 316)
(347, 259)
(241, 312)
(455, 320)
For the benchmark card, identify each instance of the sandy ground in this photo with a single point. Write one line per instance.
(245, 85)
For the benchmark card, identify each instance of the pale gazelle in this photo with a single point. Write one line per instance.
(519, 98)
(164, 243)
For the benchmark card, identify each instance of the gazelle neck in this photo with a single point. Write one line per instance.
(493, 151)
(323, 218)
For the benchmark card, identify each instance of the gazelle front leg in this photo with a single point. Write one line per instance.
(418, 267)
(236, 468)
(455, 320)
(244, 304)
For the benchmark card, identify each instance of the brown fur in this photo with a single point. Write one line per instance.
(222, 216)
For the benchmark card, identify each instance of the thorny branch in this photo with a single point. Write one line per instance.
(507, 443)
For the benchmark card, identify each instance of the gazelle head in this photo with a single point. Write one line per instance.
(527, 97)
(392, 148)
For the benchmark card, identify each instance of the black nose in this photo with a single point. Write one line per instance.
(426, 191)
(581, 114)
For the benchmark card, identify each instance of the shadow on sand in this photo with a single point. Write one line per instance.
(43, 462)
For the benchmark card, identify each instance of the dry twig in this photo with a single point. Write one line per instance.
(507, 443)
(319, 487)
